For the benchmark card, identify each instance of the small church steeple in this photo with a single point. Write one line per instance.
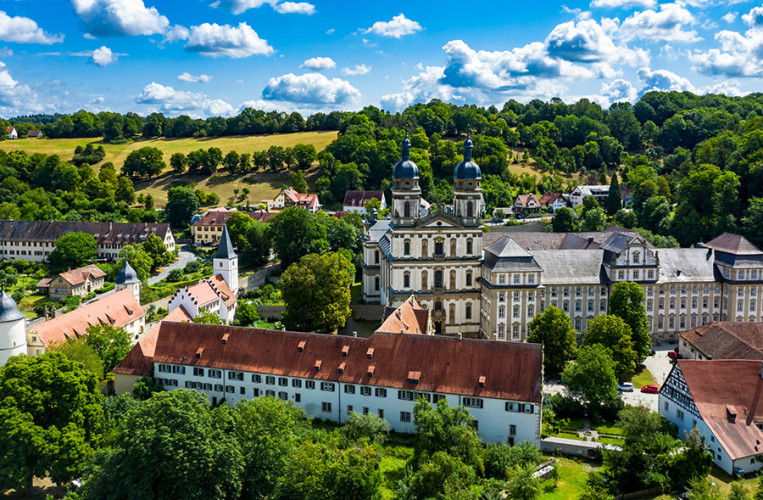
(467, 192)
(406, 193)
(226, 261)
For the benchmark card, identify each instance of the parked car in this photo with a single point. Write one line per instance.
(625, 387)
(674, 354)
(651, 389)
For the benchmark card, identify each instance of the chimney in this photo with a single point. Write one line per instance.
(355, 334)
(459, 337)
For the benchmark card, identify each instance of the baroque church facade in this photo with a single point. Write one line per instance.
(492, 285)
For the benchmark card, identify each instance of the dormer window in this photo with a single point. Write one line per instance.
(636, 257)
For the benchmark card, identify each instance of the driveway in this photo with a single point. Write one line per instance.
(184, 257)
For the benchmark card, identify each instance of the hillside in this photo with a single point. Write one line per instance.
(116, 153)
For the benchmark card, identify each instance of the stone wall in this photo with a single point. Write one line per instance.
(259, 278)
(271, 312)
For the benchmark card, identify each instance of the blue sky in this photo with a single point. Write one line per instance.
(213, 57)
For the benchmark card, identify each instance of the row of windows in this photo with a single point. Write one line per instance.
(438, 279)
(439, 250)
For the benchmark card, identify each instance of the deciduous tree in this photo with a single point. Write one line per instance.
(627, 302)
(611, 332)
(592, 376)
(554, 330)
(73, 250)
(182, 204)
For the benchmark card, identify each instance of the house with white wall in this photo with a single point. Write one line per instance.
(723, 400)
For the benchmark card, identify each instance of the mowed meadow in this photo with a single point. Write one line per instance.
(261, 184)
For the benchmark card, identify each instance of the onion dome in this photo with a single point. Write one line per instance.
(467, 169)
(405, 168)
(9, 311)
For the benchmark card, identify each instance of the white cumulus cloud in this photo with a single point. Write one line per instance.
(188, 77)
(295, 8)
(740, 54)
(119, 17)
(24, 30)
(226, 41)
(399, 26)
(318, 63)
(624, 4)
(662, 80)
(103, 56)
(175, 102)
(358, 69)
(730, 17)
(17, 98)
(666, 25)
(589, 41)
(310, 88)
(619, 90)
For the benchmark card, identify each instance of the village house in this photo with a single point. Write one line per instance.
(578, 194)
(35, 134)
(119, 309)
(291, 198)
(208, 229)
(722, 400)
(553, 201)
(526, 203)
(79, 282)
(11, 133)
(216, 294)
(34, 240)
(722, 340)
(331, 376)
(355, 201)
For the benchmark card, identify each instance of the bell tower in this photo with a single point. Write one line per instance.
(226, 262)
(467, 192)
(406, 193)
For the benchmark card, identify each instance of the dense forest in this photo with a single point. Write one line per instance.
(694, 164)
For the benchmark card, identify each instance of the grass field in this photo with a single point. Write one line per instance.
(571, 481)
(116, 153)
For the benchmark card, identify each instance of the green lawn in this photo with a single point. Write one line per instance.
(392, 467)
(642, 378)
(569, 435)
(571, 480)
(608, 428)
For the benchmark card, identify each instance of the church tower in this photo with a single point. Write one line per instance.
(406, 193)
(226, 262)
(12, 331)
(128, 278)
(467, 192)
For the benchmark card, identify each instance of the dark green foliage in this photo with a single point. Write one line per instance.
(613, 333)
(144, 161)
(73, 250)
(182, 204)
(441, 428)
(501, 459)
(554, 330)
(246, 314)
(564, 220)
(614, 199)
(627, 302)
(371, 427)
(592, 376)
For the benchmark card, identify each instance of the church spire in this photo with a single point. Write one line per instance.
(468, 146)
(406, 148)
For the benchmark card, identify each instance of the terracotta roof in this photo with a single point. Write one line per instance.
(359, 198)
(217, 218)
(138, 360)
(525, 199)
(123, 233)
(211, 289)
(717, 385)
(223, 290)
(300, 198)
(79, 276)
(410, 317)
(734, 244)
(117, 310)
(43, 283)
(727, 340)
(447, 365)
(9, 129)
(549, 198)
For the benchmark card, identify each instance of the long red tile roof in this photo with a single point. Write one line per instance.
(80, 275)
(117, 310)
(727, 340)
(511, 370)
(718, 386)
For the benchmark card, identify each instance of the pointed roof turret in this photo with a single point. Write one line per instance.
(467, 169)
(9, 311)
(126, 275)
(405, 168)
(225, 249)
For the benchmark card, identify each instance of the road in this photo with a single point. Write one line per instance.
(659, 365)
(184, 257)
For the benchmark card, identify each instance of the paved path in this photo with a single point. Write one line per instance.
(184, 257)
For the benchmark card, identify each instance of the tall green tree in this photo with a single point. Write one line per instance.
(614, 199)
(564, 220)
(440, 428)
(554, 330)
(611, 332)
(178, 161)
(296, 233)
(752, 222)
(592, 376)
(627, 302)
(50, 419)
(154, 247)
(138, 259)
(316, 291)
(144, 161)
(110, 344)
(298, 182)
(170, 446)
(73, 250)
(182, 204)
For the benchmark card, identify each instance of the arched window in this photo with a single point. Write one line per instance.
(470, 209)
(468, 278)
(452, 314)
(453, 247)
(438, 278)
(376, 283)
(469, 246)
(424, 248)
(407, 247)
(407, 280)
(468, 311)
(438, 247)
(407, 209)
(424, 280)
(453, 280)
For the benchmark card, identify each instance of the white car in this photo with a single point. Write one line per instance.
(625, 387)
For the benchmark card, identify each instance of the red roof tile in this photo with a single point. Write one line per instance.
(410, 317)
(359, 198)
(727, 340)
(79, 276)
(716, 385)
(447, 365)
(117, 310)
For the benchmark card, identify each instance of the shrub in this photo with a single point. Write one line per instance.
(175, 276)
(370, 426)
(193, 266)
(501, 459)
